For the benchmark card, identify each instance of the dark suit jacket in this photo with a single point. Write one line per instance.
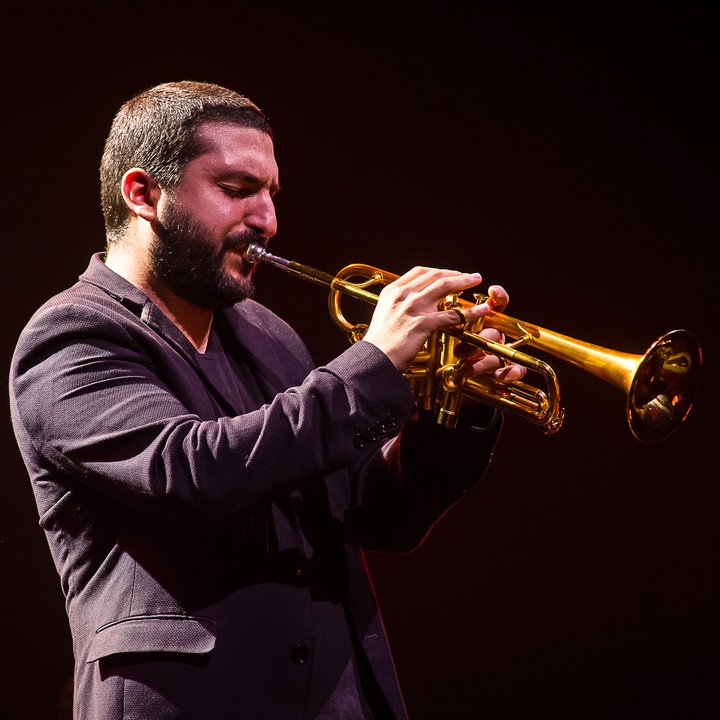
(209, 539)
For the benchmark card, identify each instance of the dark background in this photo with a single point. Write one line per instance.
(568, 152)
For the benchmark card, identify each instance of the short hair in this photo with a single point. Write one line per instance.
(157, 130)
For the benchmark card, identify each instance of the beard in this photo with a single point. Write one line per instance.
(185, 257)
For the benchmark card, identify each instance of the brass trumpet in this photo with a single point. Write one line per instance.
(659, 385)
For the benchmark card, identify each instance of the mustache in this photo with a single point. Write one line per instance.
(243, 239)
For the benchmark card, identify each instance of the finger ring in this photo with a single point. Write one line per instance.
(461, 315)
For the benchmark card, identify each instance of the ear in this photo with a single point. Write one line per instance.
(141, 193)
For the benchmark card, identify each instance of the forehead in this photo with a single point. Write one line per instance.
(226, 145)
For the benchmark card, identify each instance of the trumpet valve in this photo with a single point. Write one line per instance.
(449, 394)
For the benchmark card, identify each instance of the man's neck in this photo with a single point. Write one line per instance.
(193, 322)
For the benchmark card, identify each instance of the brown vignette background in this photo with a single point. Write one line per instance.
(569, 152)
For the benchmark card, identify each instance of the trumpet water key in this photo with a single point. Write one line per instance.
(659, 385)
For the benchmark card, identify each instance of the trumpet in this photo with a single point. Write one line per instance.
(659, 385)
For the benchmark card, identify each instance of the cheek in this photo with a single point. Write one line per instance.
(216, 223)
(223, 216)
(209, 205)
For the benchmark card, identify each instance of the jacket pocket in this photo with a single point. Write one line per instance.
(154, 634)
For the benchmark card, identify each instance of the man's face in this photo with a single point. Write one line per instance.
(223, 203)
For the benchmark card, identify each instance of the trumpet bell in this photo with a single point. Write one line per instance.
(663, 386)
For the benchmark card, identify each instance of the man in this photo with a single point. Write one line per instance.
(207, 492)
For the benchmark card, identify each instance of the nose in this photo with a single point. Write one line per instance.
(261, 215)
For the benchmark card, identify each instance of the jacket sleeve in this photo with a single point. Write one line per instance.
(420, 475)
(94, 398)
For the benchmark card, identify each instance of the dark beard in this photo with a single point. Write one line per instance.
(182, 255)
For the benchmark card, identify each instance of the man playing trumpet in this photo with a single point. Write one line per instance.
(206, 491)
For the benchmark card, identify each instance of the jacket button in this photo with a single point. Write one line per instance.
(390, 421)
(299, 654)
(302, 570)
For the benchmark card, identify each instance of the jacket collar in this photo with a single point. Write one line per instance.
(135, 300)
(249, 338)
(116, 286)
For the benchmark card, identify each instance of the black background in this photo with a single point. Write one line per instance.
(568, 152)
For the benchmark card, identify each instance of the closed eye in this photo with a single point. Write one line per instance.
(237, 192)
